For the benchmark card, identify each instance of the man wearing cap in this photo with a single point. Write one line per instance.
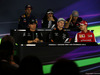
(84, 35)
(25, 18)
(32, 35)
(49, 20)
(72, 22)
(59, 35)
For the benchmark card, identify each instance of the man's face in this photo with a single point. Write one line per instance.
(28, 10)
(32, 26)
(60, 24)
(50, 15)
(82, 27)
(75, 18)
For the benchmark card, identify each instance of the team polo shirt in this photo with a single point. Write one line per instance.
(85, 37)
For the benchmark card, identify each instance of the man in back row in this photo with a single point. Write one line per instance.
(72, 22)
(49, 20)
(26, 18)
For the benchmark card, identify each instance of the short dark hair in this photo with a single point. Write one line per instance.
(31, 65)
(65, 67)
(28, 6)
(8, 38)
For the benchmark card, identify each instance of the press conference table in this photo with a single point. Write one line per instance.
(48, 53)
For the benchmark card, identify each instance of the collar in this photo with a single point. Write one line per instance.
(86, 32)
(59, 30)
(27, 16)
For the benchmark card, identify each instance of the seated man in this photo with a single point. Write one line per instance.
(31, 35)
(25, 18)
(71, 23)
(59, 35)
(49, 20)
(84, 35)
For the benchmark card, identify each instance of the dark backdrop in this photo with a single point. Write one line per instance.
(10, 10)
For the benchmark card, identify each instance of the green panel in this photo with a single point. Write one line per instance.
(16, 44)
(98, 43)
(80, 63)
(87, 62)
(96, 30)
(47, 68)
(0, 40)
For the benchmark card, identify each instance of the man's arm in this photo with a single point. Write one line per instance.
(20, 24)
(76, 38)
(51, 36)
(93, 40)
(68, 22)
(30, 41)
(44, 23)
(33, 41)
(36, 40)
(51, 19)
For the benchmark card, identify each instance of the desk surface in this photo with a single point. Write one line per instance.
(51, 52)
(85, 56)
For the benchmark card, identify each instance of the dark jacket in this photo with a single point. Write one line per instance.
(45, 22)
(58, 36)
(24, 21)
(74, 26)
(29, 35)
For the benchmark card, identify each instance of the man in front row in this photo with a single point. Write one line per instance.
(84, 35)
(32, 35)
(59, 35)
